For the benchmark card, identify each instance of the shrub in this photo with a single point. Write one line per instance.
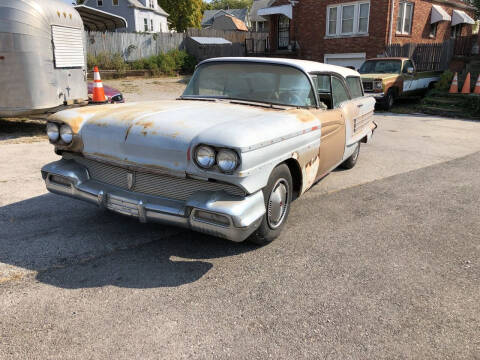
(189, 64)
(445, 81)
(138, 65)
(170, 63)
(118, 63)
(167, 64)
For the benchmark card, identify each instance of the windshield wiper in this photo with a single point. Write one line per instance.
(259, 103)
(199, 98)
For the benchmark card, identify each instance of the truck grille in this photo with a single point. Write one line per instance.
(151, 184)
(368, 85)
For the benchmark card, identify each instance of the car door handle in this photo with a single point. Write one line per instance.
(360, 105)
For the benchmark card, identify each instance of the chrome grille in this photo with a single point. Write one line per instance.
(368, 85)
(151, 184)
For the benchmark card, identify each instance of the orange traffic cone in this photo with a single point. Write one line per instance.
(454, 86)
(466, 85)
(98, 92)
(477, 86)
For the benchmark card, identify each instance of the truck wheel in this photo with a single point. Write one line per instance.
(352, 160)
(278, 197)
(389, 100)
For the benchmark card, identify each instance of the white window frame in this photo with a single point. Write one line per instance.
(113, 2)
(339, 20)
(145, 24)
(404, 4)
(151, 25)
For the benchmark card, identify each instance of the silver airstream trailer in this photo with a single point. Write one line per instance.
(42, 56)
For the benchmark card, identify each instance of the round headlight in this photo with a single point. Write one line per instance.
(227, 160)
(66, 134)
(205, 156)
(52, 132)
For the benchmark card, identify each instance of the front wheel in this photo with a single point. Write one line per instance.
(352, 160)
(278, 196)
(389, 100)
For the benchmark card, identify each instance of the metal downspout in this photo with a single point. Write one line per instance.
(390, 33)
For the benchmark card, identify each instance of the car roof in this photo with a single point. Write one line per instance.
(304, 65)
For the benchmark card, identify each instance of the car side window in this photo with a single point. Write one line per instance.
(339, 93)
(355, 86)
(406, 65)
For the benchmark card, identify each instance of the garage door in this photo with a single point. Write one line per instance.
(352, 59)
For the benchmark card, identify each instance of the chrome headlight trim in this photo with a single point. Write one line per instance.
(227, 160)
(53, 132)
(205, 156)
(66, 133)
(378, 85)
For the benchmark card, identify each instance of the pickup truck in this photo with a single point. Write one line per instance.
(387, 79)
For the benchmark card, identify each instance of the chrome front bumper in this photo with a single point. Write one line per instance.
(377, 96)
(214, 213)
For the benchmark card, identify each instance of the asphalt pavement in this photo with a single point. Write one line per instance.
(380, 262)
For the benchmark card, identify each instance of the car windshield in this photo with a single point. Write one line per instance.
(381, 67)
(266, 83)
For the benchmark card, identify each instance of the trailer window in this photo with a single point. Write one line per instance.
(68, 47)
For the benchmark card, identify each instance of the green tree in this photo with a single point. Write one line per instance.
(476, 3)
(183, 13)
(230, 4)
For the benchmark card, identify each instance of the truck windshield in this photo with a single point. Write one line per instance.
(266, 83)
(381, 67)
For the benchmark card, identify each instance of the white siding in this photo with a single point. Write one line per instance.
(159, 22)
(68, 47)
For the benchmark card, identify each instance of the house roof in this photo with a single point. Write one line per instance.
(210, 40)
(239, 24)
(210, 15)
(303, 65)
(257, 5)
(137, 4)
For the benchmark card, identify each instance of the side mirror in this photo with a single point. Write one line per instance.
(410, 70)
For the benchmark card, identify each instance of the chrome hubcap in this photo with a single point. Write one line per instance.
(277, 203)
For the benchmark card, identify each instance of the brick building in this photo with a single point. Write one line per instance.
(345, 32)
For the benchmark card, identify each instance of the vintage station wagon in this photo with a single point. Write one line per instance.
(227, 158)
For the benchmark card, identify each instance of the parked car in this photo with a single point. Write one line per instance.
(388, 79)
(246, 138)
(113, 96)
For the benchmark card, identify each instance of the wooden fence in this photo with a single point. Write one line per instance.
(135, 46)
(132, 46)
(435, 56)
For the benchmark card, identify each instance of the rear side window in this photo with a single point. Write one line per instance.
(339, 93)
(355, 86)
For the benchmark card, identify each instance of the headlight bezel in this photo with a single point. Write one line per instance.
(215, 166)
(206, 148)
(65, 131)
(53, 126)
(378, 85)
(227, 152)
